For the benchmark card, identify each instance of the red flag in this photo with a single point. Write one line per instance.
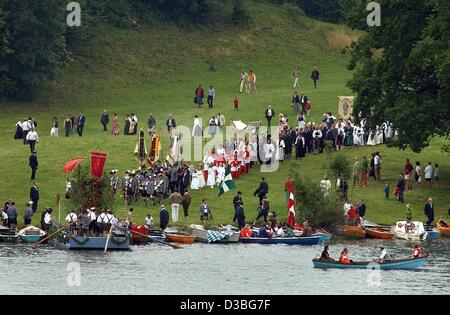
(98, 160)
(291, 206)
(69, 167)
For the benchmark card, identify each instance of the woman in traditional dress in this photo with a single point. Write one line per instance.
(348, 129)
(195, 184)
(220, 173)
(126, 129)
(300, 146)
(115, 125)
(280, 149)
(211, 176)
(197, 129)
(202, 182)
(19, 134)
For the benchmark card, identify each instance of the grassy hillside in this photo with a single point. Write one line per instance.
(157, 69)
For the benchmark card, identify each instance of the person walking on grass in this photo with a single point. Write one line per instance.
(104, 120)
(236, 104)
(429, 211)
(32, 139)
(418, 175)
(269, 114)
(81, 120)
(429, 175)
(54, 132)
(401, 186)
(437, 176)
(211, 96)
(68, 126)
(34, 196)
(296, 75)
(199, 95)
(187, 199)
(33, 163)
(409, 169)
(356, 172)
(315, 76)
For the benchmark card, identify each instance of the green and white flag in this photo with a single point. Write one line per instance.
(227, 184)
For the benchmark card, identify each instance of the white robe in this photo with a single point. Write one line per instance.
(220, 174)
(211, 177)
(195, 183)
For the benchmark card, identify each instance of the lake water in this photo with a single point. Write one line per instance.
(218, 269)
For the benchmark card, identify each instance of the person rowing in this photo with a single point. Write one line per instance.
(325, 255)
(384, 256)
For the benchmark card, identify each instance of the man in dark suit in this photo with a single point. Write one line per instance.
(33, 162)
(262, 190)
(105, 120)
(81, 120)
(429, 211)
(34, 196)
(171, 123)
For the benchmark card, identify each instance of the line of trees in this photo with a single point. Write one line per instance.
(35, 40)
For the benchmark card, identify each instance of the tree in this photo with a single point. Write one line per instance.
(34, 46)
(314, 207)
(402, 71)
(339, 166)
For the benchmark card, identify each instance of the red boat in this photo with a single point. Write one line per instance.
(138, 239)
(379, 233)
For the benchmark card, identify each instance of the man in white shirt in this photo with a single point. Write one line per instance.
(385, 256)
(269, 150)
(211, 96)
(48, 220)
(377, 163)
(71, 217)
(26, 126)
(429, 174)
(32, 138)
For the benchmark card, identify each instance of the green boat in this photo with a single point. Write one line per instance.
(8, 235)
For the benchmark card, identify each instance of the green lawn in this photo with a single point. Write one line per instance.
(157, 69)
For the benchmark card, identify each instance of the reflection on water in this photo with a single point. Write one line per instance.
(219, 269)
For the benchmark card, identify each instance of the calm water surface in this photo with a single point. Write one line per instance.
(219, 269)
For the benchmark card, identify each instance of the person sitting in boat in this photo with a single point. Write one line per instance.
(3, 217)
(343, 258)
(278, 231)
(149, 221)
(246, 232)
(384, 256)
(93, 221)
(325, 255)
(307, 231)
(417, 252)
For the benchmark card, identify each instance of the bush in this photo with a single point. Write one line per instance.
(339, 166)
(313, 206)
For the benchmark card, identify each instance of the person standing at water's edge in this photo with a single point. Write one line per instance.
(34, 196)
(104, 120)
(163, 218)
(28, 214)
(175, 199)
(187, 199)
(401, 186)
(205, 211)
(429, 211)
(33, 163)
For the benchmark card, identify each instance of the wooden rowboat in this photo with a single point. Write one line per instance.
(31, 234)
(401, 264)
(8, 235)
(443, 227)
(304, 241)
(180, 238)
(354, 232)
(379, 233)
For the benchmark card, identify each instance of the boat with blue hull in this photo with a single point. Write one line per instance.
(401, 264)
(305, 241)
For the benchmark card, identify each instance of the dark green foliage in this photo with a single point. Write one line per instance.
(88, 192)
(355, 13)
(324, 10)
(339, 166)
(32, 44)
(403, 71)
(313, 206)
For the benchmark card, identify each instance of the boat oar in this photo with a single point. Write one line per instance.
(53, 234)
(108, 238)
(155, 240)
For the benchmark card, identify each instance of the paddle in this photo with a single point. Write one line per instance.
(107, 240)
(53, 234)
(155, 240)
